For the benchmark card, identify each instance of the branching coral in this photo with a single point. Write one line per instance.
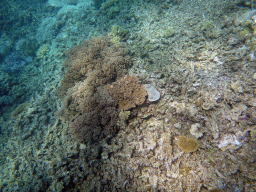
(128, 92)
(97, 58)
(90, 68)
(99, 120)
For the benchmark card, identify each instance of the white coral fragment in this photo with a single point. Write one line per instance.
(153, 94)
(196, 130)
(229, 140)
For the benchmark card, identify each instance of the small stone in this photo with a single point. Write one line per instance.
(254, 76)
(207, 105)
(157, 75)
(82, 146)
(192, 110)
(213, 126)
(253, 135)
(177, 125)
(237, 87)
(124, 115)
(104, 155)
(252, 102)
(153, 94)
(191, 91)
(237, 111)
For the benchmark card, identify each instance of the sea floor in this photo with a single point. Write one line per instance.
(200, 56)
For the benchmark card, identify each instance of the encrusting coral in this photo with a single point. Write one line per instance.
(187, 144)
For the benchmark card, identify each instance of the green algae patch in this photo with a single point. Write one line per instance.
(187, 144)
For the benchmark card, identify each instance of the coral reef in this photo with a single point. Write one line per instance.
(206, 78)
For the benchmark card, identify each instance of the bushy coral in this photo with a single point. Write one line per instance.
(117, 33)
(128, 92)
(43, 51)
(97, 58)
(98, 120)
(90, 68)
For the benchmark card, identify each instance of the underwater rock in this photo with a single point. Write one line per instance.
(228, 141)
(237, 87)
(180, 107)
(254, 76)
(153, 94)
(177, 125)
(194, 130)
(62, 3)
(213, 126)
(237, 111)
(253, 135)
(208, 105)
(13, 63)
(251, 102)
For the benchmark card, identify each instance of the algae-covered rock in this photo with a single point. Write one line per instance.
(187, 144)
(170, 32)
(62, 3)
(253, 135)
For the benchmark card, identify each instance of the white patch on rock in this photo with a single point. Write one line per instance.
(153, 94)
(195, 130)
(229, 140)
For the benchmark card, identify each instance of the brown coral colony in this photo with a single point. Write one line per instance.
(128, 92)
(187, 144)
(97, 88)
